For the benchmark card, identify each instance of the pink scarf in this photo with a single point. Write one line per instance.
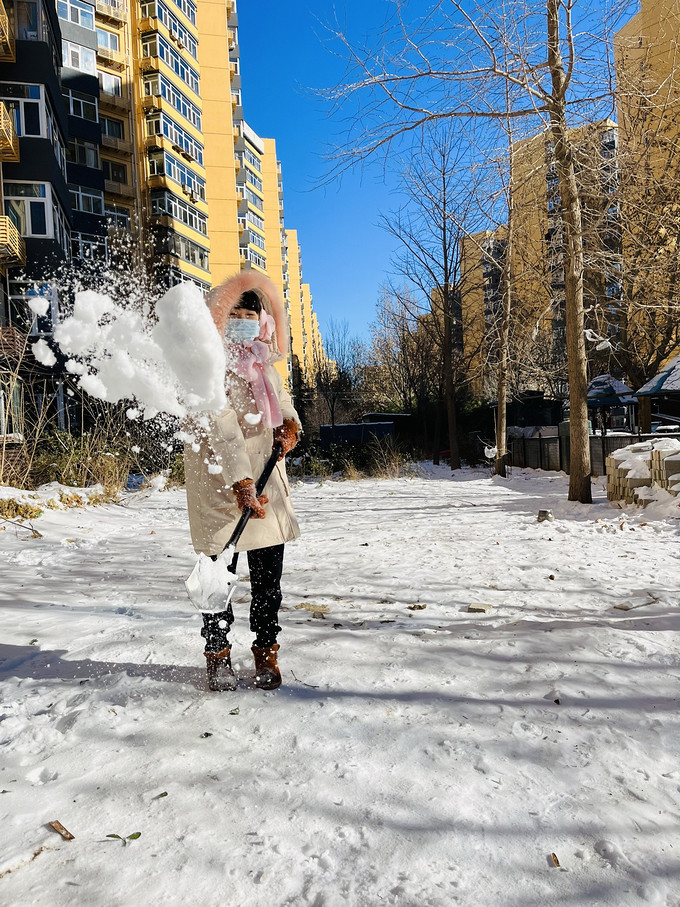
(250, 362)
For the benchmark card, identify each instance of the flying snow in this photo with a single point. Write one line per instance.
(172, 362)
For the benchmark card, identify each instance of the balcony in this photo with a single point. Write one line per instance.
(6, 36)
(113, 11)
(113, 102)
(151, 102)
(156, 181)
(148, 23)
(111, 187)
(9, 141)
(113, 59)
(12, 245)
(109, 141)
(154, 142)
(148, 64)
(12, 343)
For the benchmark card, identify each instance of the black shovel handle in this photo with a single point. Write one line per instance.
(259, 488)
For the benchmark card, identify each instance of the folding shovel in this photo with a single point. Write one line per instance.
(211, 583)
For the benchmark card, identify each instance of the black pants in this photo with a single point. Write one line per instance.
(266, 567)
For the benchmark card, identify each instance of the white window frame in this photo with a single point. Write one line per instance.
(45, 199)
(165, 125)
(73, 98)
(83, 195)
(74, 10)
(158, 85)
(103, 76)
(91, 151)
(157, 9)
(112, 38)
(117, 216)
(86, 245)
(73, 56)
(108, 119)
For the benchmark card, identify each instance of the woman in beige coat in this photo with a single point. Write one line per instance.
(229, 454)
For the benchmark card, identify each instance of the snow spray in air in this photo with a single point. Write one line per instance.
(172, 362)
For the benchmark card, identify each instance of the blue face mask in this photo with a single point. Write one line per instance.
(242, 330)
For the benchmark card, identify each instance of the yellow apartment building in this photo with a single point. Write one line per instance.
(648, 95)
(536, 265)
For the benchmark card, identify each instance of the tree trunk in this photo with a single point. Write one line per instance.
(437, 440)
(450, 390)
(645, 414)
(579, 468)
(504, 333)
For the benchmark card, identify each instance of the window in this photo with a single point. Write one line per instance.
(27, 21)
(165, 203)
(113, 170)
(188, 7)
(90, 201)
(165, 125)
(107, 39)
(76, 11)
(81, 105)
(159, 85)
(252, 159)
(158, 9)
(156, 46)
(165, 164)
(180, 246)
(33, 115)
(117, 216)
(254, 257)
(78, 57)
(88, 246)
(24, 103)
(34, 211)
(84, 153)
(253, 199)
(254, 220)
(113, 128)
(110, 84)
(253, 178)
(257, 240)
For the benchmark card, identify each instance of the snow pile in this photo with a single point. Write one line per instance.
(172, 363)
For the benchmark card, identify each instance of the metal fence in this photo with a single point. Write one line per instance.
(553, 453)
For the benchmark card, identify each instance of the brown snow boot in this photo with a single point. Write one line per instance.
(219, 671)
(267, 674)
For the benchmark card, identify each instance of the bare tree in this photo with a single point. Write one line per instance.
(337, 371)
(407, 354)
(454, 63)
(429, 227)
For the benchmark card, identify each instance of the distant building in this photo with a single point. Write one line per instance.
(123, 140)
(536, 263)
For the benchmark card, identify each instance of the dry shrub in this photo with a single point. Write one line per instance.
(11, 509)
(80, 461)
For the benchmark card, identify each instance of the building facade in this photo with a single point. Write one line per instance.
(124, 142)
(536, 265)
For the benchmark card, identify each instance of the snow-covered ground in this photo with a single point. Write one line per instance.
(417, 753)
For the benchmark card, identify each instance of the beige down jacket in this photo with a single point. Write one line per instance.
(240, 447)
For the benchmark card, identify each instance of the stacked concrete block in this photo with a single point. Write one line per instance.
(627, 470)
(633, 471)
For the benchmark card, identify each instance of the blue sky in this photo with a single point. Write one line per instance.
(345, 255)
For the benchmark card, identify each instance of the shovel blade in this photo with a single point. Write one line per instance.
(211, 584)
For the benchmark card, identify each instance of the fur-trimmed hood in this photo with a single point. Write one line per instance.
(223, 299)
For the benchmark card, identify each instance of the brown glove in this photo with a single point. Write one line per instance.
(287, 434)
(246, 497)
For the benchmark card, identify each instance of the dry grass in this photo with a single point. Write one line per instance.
(11, 509)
